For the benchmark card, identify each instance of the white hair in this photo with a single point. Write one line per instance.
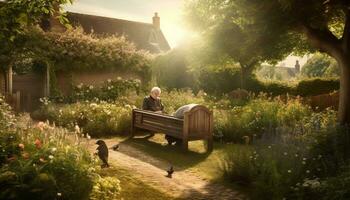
(155, 89)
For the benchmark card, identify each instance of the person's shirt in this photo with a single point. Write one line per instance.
(180, 112)
(149, 103)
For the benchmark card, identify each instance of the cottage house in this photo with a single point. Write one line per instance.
(30, 87)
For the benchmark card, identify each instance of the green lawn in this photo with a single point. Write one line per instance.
(206, 165)
(132, 188)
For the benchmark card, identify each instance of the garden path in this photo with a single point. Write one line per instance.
(184, 184)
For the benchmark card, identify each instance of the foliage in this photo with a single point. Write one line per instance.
(278, 28)
(97, 119)
(40, 162)
(41, 165)
(174, 99)
(106, 189)
(16, 15)
(220, 80)
(294, 165)
(109, 91)
(172, 70)
(304, 88)
(7, 119)
(320, 65)
(316, 86)
(262, 116)
(73, 50)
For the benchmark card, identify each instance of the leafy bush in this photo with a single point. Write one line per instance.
(96, 119)
(171, 70)
(260, 116)
(106, 188)
(39, 163)
(220, 81)
(316, 86)
(312, 162)
(320, 65)
(109, 91)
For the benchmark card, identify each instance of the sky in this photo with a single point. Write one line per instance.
(169, 11)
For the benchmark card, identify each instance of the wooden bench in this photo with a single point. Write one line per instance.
(197, 124)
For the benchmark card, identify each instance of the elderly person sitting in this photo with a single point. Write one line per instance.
(153, 102)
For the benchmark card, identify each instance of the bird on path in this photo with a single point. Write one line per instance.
(102, 152)
(115, 147)
(170, 172)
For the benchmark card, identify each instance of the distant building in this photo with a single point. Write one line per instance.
(281, 72)
(146, 36)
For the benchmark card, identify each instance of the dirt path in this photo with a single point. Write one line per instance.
(183, 185)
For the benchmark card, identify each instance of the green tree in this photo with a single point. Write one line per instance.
(172, 70)
(281, 27)
(17, 15)
(320, 65)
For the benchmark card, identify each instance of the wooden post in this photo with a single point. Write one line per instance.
(2, 84)
(210, 134)
(185, 132)
(132, 124)
(18, 100)
(47, 81)
(9, 80)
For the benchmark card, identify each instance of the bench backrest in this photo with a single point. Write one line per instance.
(157, 122)
(199, 122)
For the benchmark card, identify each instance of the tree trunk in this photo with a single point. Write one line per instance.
(344, 93)
(246, 72)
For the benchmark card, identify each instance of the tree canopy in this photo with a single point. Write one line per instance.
(320, 65)
(277, 28)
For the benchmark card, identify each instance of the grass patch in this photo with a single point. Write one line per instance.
(132, 188)
(206, 165)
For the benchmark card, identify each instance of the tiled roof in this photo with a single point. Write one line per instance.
(143, 35)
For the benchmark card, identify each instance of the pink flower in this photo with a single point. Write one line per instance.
(21, 146)
(38, 144)
(25, 155)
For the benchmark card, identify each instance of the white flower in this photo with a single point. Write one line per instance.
(59, 194)
(285, 153)
(307, 171)
(289, 171)
(77, 128)
(54, 149)
(109, 80)
(50, 157)
(91, 87)
(119, 78)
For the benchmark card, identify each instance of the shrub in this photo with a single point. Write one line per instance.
(171, 70)
(219, 81)
(103, 186)
(311, 163)
(96, 119)
(261, 116)
(316, 86)
(40, 163)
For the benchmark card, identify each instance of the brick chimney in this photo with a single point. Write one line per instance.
(156, 21)
(297, 66)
